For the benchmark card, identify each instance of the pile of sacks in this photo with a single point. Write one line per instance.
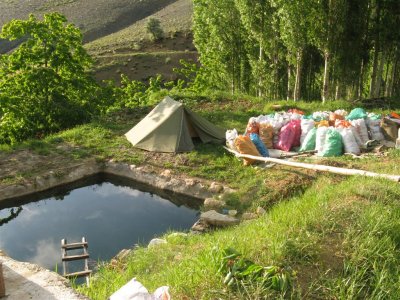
(327, 133)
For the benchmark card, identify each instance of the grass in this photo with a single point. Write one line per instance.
(296, 234)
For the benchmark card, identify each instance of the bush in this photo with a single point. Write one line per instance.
(153, 27)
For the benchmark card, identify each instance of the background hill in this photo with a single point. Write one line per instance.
(115, 34)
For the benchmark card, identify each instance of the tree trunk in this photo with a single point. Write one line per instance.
(297, 86)
(378, 83)
(325, 88)
(361, 81)
(261, 59)
(392, 77)
(289, 88)
(373, 85)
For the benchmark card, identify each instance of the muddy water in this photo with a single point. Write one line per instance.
(110, 216)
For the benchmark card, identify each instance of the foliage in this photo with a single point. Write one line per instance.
(132, 93)
(44, 85)
(300, 49)
(194, 77)
(239, 272)
(153, 27)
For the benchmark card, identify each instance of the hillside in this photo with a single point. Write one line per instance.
(95, 18)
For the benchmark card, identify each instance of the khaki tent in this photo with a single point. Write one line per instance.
(170, 127)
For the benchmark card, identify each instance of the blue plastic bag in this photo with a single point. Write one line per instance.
(255, 138)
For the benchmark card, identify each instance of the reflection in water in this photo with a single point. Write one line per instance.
(12, 215)
(110, 217)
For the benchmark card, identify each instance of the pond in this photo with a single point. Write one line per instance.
(112, 215)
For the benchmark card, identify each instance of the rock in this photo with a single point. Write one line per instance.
(215, 188)
(156, 242)
(166, 173)
(177, 234)
(212, 217)
(190, 182)
(200, 226)
(232, 212)
(122, 254)
(260, 211)
(249, 216)
(210, 203)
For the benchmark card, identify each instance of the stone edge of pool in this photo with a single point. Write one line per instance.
(164, 180)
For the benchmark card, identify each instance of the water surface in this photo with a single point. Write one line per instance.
(111, 217)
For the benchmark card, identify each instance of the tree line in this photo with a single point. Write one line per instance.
(300, 49)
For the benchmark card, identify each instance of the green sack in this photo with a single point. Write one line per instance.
(374, 116)
(333, 144)
(309, 141)
(357, 113)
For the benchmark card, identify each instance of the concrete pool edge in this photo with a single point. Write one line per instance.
(161, 180)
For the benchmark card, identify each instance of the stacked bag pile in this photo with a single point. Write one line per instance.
(327, 133)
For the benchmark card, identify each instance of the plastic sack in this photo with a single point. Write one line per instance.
(349, 141)
(134, 290)
(333, 117)
(296, 111)
(342, 124)
(230, 137)
(320, 115)
(361, 130)
(245, 146)
(374, 116)
(320, 138)
(308, 143)
(374, 126)
(390, 129)
(357, 113)
(255, 138)
(333, 145)
(306, 126)
(252, 126)
(297, 132)
(267, 135)
(287, 136)
(341, 112)
(323, 123)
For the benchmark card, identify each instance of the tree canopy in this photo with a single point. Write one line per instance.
(44, 83)
(309, 49)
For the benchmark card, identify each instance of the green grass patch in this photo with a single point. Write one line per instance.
(293, 234)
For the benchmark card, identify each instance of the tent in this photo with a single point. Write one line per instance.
(170, 127)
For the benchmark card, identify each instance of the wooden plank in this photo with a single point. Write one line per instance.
(74, 246)
(315, 167)
(78, 274)
(63, 254)
(75, 257)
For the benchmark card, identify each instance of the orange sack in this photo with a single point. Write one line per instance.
(246, 146)
(267, 135)
(342, 123)
(333, 117)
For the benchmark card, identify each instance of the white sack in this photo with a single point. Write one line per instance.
(349, 141)
(320, 139)
(306, 126)
(374, 127)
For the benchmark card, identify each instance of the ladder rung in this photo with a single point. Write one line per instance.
(73, 246)
(75, 257)
(78, 274)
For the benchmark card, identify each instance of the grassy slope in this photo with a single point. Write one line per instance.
(176, 17)
(341, 238)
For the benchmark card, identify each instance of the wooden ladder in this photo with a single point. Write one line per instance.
(85, 255)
